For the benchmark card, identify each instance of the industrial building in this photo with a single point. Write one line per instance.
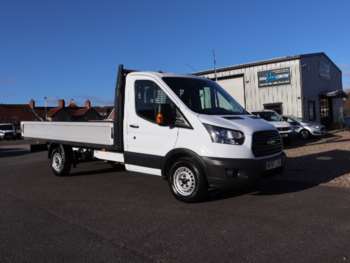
(307, 86)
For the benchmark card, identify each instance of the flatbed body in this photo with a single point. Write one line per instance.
(89, 134)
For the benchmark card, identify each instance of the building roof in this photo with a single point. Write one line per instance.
(20, 112)
(264, 62)
(74, 111)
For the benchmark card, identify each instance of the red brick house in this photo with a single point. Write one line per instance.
(15, 113)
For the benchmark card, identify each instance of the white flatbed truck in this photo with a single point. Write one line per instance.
(185, 129)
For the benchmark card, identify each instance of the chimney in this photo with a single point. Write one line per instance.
(72, 104)
(88, 104)
(32, 104)
(61, 103)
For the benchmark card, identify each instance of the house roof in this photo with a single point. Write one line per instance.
(19, 112)
(53, 112)
(74, 111)
(264, 62)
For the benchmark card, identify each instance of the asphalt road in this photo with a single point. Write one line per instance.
(103, 215)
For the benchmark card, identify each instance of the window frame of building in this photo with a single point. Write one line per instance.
(271, 106)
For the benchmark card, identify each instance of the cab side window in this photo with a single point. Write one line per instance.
(150, 99)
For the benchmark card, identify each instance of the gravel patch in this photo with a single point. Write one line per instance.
(320, 161)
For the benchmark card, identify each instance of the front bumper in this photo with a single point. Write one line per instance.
(8, 135)
(225, 170)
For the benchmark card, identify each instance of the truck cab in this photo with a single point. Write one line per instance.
(186, 129)
(175, 122)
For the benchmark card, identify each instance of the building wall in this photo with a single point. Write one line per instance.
(313, 84)
(289, 95)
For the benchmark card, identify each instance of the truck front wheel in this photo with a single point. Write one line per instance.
(187, 181)
(61, 160)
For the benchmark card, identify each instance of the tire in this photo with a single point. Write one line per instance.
(61, 160)
(187, 182)
(305, 134)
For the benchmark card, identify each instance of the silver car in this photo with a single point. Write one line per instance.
(305, 129)
(7, 131)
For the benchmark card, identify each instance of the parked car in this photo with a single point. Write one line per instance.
(7, 131)
(305, 129)
(283, 127)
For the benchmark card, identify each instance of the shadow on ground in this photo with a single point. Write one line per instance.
(10, 152)
(102, 170)
(301, 173)
(328, 138)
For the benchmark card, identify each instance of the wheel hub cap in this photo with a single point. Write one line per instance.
(57, 162)
(184, 181)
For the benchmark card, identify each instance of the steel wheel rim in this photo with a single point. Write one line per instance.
(57, 162)
(184, 181)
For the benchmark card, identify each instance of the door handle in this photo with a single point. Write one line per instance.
(134, 126)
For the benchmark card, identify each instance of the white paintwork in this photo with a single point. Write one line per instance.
(196, 139)
(149, 137)
(143, 169)
(235, 87)
(199, 141)
(81, 132)
(109, 156)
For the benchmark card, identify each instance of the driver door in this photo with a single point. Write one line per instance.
(146, 141)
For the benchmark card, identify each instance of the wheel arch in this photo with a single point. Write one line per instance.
(50, 148)
(175, 154)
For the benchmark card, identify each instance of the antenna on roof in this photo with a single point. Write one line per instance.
(214, 60)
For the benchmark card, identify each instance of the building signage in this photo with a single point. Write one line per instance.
(274, 77)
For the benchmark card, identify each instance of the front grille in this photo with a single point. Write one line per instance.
(266, 143)
(283, 128)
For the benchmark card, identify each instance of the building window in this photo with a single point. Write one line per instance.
(277, 107)
(311, 108)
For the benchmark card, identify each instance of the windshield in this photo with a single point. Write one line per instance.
(6, 127)
(204, 96)
(269, 116)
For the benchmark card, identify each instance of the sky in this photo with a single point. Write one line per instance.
(71, 49)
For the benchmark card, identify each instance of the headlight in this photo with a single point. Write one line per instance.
(225, 136)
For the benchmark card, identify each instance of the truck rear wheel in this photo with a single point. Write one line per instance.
(187, 181)
(61, 160)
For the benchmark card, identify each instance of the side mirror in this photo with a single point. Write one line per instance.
(166, 115)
